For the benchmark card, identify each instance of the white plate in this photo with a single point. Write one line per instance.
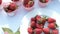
(26, 19)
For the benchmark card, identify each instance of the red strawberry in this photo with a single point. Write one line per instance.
(47, 1)
(33, 24)
(15, 0)
(51, 20)
(30, 30)
(52, 25)
(40, 26)
(9, 11)
(55, 31)
(0, 2)
(38, 17)
(38, 31)
(12, 6)
(46, 30)
(27, 5)
(32, 19)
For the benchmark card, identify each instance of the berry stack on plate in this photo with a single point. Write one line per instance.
(43, 25)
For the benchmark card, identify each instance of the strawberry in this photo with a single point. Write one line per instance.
(38, 17)
(42, 20)
(15, 0)
(0, 2)
(46, 0)
(55, 31)
(30, 30)
(46, 30)
(9, 11)
(40, 26)
(32, 19)
(33, 24)
(38, 31)
(28, 3)
(43, 1)
(12, 6)
(51, 20)
(52, 25)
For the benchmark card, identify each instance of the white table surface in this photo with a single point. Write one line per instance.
(53, 10)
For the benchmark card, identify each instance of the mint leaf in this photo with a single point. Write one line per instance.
(9, 31)
(18, 31)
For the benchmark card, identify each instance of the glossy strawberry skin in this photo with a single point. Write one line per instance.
(30, 30)
(47, 0)
(33, 24)
(32, 19)
(0, 2)
(9, 11)
(55, 31)
(26, 3)
(40, 26)
(38, 31)
(51, 25)
(46, 30)
(51, 20)
(12, 6)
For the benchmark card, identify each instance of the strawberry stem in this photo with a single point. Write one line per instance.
(56, 25)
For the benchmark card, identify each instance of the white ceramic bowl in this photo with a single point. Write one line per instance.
(25, 23)
(13, 13)
(30, 8)
(18, 2)
(43, 4)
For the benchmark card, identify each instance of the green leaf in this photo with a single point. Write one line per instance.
(18, 32)
(7, 30)
(56, 25)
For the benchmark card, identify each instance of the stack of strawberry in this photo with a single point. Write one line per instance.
(28, 3)
(38, 23)
(10, 8)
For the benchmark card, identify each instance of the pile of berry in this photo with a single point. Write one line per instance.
(38, 23)
(11, 7)
(28, 3)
